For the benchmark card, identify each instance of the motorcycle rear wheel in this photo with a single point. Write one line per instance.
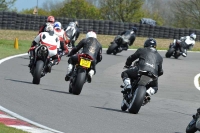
(191, 128)
(37, 72)
(137, 100)
(79, 82)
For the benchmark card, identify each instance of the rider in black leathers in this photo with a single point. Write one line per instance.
(90, 46)
(133, 32)
(149, 60)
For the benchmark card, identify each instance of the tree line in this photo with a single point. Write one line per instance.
(173, 13)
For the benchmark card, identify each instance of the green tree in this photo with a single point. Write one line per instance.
(41, 12)
(79, 9)
(122, 10)
(187, 14)
(6, 4)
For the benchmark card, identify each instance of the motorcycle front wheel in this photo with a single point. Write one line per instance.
(111, 48)
(191, 128)
(169, 53)
(37, 72)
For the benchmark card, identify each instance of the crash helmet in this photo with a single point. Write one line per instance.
(57, 25)
(193, 36)
(51, 19)
(91, 34)
(150, 42)
(134, 29)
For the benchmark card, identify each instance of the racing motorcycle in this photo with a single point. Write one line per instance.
(119, 44)
(41, 61)
(137, 96)
(194, 125)
(80, 73)
(174, 48)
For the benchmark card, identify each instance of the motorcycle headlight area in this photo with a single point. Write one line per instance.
(42, 51)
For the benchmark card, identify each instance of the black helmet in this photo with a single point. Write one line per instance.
(134, 29)
(150, 42)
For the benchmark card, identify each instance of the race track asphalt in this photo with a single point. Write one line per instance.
(97, 108)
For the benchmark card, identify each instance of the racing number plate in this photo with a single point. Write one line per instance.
(85, 63)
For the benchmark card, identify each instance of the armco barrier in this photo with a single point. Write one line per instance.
(13, 20)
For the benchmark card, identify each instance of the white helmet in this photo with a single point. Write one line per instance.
(57, 25)
(49, 27)
(91, 34)
(193, 36)
(72, 24)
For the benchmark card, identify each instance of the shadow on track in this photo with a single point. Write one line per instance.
(63, 92)
(19, 81)
(116, 110)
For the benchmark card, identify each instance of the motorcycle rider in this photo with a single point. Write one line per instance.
(50, 20)
(45, 37)
(149, 60)
(58, 30)
(133, 32)
(90, 46)
(185, 43)
(75, 27)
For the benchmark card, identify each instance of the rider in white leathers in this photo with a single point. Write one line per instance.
(185, 43)
(49, 39)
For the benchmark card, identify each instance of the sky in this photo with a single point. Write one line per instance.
(27, 4)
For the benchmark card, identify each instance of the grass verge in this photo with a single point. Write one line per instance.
(5, 129)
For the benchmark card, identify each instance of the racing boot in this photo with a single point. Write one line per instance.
(49, 66)
(69, 71)
(90, 74)
(127, 85)
(31, 64)
(149, 93)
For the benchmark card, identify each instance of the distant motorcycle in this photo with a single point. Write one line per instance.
(80, 73)
(66, 40)
(174, 48)
(194, 125)
(119, 44)
(42, 59)
(134, 99)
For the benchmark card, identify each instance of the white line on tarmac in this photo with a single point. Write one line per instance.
(18, 116)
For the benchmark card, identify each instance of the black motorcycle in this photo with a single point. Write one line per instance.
(194, 125)
(119, 44)
(80, 73)
(174, 50)
(137, 96)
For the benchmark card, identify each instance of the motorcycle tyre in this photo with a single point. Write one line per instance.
(137, 100)
(191, 128)
(37, 72)
(70, 86)
(169, 53)
(79, 82)
(111, 48)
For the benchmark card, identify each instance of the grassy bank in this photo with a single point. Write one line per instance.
(5, 129)
(25, 38)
